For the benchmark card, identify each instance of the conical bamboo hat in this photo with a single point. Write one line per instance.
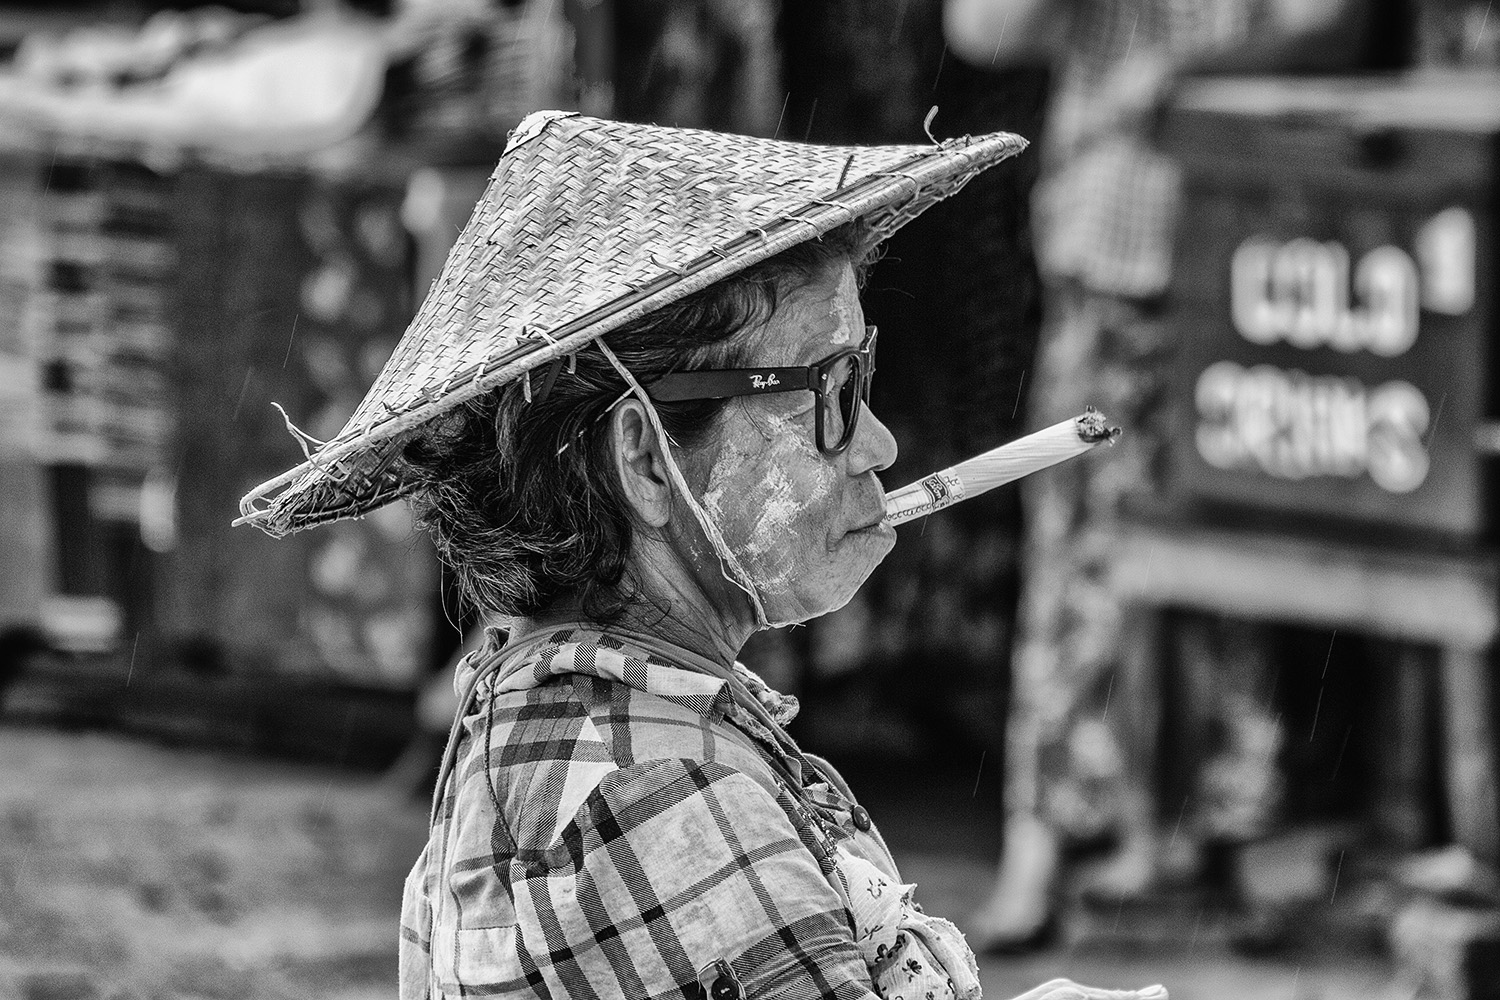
(586, 225)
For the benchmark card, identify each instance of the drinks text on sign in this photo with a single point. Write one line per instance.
(1292, 425)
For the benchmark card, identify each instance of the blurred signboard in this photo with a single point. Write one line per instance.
(1334, 302)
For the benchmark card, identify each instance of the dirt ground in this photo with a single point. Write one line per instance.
(131, 871)
(1201, 970)
(135, 871)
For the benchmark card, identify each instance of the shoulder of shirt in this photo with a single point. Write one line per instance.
(575, 731)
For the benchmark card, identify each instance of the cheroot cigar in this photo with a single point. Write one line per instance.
(999, 466)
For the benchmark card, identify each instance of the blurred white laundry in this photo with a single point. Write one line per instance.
(280, 89)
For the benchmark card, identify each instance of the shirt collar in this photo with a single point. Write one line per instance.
(644, 663)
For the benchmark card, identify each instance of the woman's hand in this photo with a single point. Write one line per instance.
(1066, 989)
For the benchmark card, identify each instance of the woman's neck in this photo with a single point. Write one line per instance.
(711, 640)
(680, 595)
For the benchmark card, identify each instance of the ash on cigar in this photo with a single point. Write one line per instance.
(1093, 428)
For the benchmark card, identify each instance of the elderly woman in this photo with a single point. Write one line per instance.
(633, 413)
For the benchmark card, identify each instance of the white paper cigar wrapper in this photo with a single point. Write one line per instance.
(999, 466)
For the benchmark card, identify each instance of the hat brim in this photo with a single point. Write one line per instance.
(470, 337)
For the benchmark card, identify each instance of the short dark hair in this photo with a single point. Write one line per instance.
(521, 497)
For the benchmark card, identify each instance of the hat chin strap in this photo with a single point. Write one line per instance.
(729, 564)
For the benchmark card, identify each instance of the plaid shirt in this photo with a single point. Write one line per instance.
(617, 826)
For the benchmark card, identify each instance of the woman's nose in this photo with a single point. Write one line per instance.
(874, 447)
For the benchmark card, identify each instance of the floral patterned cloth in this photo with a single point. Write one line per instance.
(912, 956)
(1105, 213)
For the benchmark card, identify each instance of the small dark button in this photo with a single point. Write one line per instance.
(861, 819)
(725, 985)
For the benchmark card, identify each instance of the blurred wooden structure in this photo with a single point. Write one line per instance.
(159, 314)
(88, 259)
(25, 552)
(156, 304)
(293, 288)
(284, 714)
(1444, 602)
(167, 285)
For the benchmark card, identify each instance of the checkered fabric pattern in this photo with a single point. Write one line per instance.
(1107, 219)
(617, 826)
(1105, 208)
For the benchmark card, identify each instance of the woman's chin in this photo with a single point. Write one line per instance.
(832, 592)
(800, 608)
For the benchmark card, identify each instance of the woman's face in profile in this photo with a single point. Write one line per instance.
(808, 527)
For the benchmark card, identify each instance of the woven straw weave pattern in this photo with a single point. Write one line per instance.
(585, 225)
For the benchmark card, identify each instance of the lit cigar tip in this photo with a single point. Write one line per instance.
(1093, 427)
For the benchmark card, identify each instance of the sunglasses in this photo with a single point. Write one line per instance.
(841, 382)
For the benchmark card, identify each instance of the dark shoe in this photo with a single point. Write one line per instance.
(1043, 937)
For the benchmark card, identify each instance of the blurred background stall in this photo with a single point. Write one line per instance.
(218, 744)
(1331, 475)
(191, 254)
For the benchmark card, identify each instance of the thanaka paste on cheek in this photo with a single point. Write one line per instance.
(778, 508)
(773, 495)
(830, 319)
(843, 316)
(779, 484)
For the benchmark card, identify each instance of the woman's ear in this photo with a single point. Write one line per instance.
(636, 449)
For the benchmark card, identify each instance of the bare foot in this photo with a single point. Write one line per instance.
(1019, 908)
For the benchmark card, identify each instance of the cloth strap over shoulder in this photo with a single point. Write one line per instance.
(498, 660)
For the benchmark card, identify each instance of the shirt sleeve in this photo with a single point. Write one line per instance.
(682, 872)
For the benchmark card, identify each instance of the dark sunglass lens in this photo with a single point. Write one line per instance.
(852, 391)
(834, 374)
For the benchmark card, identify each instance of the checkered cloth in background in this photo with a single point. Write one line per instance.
(1107, 217)
(614, 828)
(1105, 207)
